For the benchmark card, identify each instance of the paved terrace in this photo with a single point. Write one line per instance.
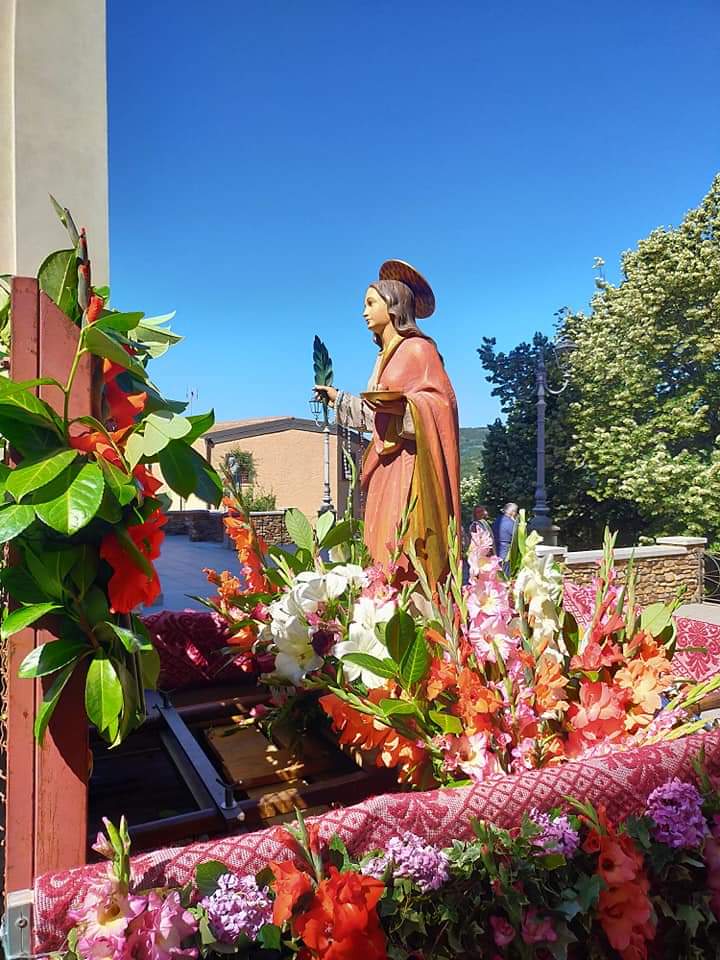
(180, 568)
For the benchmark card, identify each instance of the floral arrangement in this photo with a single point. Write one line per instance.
(458, 681)
(81, 506)
(563, 884)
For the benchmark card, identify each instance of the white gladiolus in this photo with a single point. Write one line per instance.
(362, 638)
(294, 667)
(291, 635)
(539, 584)
(309, 591)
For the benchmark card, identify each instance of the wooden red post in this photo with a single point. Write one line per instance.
(46, 786)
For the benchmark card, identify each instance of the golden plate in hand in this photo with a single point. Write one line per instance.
(382, 396)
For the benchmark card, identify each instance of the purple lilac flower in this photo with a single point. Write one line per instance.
(675, 808)
(556, 836)
(237, 906)
(411, 857)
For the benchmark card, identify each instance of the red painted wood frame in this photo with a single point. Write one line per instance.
(46, 786)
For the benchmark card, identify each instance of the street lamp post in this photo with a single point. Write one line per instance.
(318, 410)
(542, 521)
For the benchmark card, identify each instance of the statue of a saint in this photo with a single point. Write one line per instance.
(411, 410)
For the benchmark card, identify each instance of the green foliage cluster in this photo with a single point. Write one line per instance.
(633, 442)
(646, 414)
(472, 443)
(59, 504)
(239, 473)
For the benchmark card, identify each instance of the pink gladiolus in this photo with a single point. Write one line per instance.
(159, 932)
(107, 910)
(523, 755)
(481, 544)
(503, 931)
(477, 759)
(102, 948)
(536, 929)
(103, 846)
(260, 612)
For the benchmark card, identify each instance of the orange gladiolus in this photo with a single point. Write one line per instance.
(247, 545)
(342, 922)
(289, 885)
(550, 683)
(363, 732)
(476, 702)
(600, 716)
(595, 656)
(624, 908)
(129, 585)
(645, 681)
(442, 676)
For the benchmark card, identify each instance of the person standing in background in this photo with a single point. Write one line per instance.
(503, 530)
(480, 522)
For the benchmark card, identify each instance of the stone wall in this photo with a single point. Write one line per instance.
(671, 565)
(196, 524)
(270, 526)
(208, 525)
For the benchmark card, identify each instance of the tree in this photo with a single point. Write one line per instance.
(509, 457)
(646, 408)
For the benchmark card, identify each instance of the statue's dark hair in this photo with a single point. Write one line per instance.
(400, 301)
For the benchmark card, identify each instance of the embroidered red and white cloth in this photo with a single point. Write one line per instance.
(189, 643)
(697, 652)
(621, 780)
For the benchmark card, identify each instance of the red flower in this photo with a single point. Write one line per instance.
(537, 929)
(289, 885)
(122, 407)
(596, 656)
(148, 482)
(96, 442)
(342, 922)
(95, 308)
(619, 859)
(129, 585)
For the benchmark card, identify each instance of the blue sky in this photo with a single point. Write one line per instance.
(266, 157)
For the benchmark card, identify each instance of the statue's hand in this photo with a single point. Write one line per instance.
(326, 393)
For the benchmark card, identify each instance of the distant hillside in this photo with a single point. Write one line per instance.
(472, 440)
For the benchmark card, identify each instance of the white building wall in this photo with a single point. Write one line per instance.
(53, 130)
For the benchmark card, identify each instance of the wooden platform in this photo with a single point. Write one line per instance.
(250, 760)
(200, 767)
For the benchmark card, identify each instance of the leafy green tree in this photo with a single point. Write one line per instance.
(646, 406)
(509, 457)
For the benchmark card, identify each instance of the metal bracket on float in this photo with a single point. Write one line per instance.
(16, 926)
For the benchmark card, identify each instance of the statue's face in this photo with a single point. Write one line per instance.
(375, 312)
